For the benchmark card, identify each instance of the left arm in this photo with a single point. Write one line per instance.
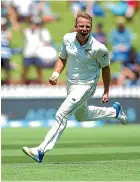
(104, 62)
(106, 76)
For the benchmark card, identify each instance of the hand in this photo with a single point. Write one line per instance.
(53, 80)
(105, 98)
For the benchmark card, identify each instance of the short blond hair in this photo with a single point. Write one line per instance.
(83, 15)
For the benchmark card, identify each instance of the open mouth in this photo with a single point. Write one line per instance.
(84, 34)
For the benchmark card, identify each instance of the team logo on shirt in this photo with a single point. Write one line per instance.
(87, 51)
(104, 56)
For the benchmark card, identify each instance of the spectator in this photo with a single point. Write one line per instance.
(12, 15)
(121, 41)
(119, 8)
(92, 7)
(99, 34)
(6, 52)
(131, 69)
(16, 29)
(126, 8)
(3, 10)
(15, 19)
(77, 6)
(23, 8)
(43, 9)
(97, 9)
(132, 8)
(35, 38)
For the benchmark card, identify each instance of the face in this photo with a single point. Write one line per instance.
(121, 27)
(83, 28)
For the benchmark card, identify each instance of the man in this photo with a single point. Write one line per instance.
(85, 58)
(6, 51)
(99, 34)
(35, 38)
(130, 71)
(121, 41)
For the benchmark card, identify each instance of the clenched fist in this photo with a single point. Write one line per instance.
(53, 80)
(105, 98)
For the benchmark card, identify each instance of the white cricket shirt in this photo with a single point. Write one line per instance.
(84, 62)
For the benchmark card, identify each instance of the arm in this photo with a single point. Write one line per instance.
(104, 62)
(9, 35)
(106, 80)
(59, 66)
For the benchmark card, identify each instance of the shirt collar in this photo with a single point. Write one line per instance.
(90, 40)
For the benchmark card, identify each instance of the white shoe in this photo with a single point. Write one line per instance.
(34, 153)
(120, 115)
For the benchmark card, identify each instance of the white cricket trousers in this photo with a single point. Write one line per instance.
(75, 103)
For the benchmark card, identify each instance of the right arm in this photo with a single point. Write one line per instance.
(59, 66)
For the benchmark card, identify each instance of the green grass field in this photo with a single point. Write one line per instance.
(109, 153)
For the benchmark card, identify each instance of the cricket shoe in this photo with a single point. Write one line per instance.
(120, 115)
(34, 153)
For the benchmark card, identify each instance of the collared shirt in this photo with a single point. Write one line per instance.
(84, 62)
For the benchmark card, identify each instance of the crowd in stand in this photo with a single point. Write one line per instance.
(39, 49)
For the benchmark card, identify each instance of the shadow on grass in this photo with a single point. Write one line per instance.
(67, 159)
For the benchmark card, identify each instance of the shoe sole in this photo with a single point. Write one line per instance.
(24, 150)
(124, 122)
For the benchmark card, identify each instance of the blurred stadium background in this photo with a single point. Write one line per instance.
(101, 150)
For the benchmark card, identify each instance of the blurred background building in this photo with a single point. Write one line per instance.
(31, 35)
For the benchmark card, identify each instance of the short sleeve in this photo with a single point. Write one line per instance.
(63, 51)
(103, 57)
